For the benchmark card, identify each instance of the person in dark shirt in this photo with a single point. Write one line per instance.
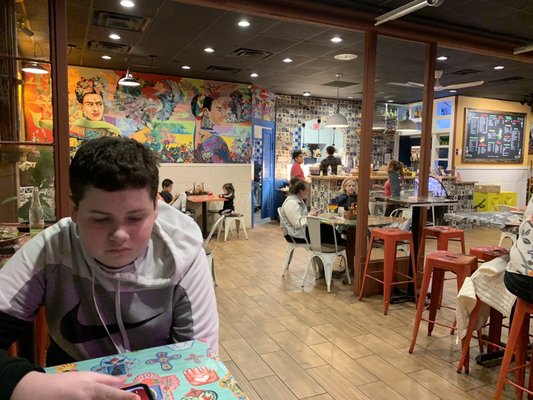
(330, 160)
(229, 195)
(166, 193)
(348, 195)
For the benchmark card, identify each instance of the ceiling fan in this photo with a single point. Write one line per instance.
(438, 86)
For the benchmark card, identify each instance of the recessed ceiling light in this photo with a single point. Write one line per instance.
(185, 67)
(499, 67)
(306, 94)
(390, 101)
(453, 91)
(442, 58)
(254, 75)
(345, 57)
(350, 97)
(106, 57)
(336, 39)
(209, 50)
(127, 3)
(243, 23)
(287, 60)
(114, 36)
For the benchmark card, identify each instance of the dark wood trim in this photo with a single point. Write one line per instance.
(330, 15)
(57, 11)
(365, 152)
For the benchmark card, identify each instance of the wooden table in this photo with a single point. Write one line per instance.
(204, 199)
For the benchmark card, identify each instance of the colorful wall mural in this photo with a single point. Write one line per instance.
(263, 104)
(184, 120)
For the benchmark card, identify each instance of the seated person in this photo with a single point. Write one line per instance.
(166, 193)
(518, 277)
(229, 194)
(294, 213)
(330, 160)
(348, 195)
(125, 273)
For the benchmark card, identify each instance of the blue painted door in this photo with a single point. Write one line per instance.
(267, 174)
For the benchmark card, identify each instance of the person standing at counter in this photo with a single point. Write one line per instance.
(330, 160)
(348, 195)
(296, 169)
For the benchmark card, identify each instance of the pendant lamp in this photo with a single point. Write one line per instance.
(337, 120)
(34, 67)
(128, 80)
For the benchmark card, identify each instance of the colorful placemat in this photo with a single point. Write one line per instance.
(179, 371)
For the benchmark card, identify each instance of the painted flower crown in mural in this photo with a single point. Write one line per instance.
(94, 85)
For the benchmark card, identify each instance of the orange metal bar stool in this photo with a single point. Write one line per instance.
(443, 234)
(517, 345)
(391, 238)
(437, 263)
(483, 253)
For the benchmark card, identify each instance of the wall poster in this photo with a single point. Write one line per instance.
(493, 136)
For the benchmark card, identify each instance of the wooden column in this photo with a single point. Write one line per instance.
(57, 10)
(365, 151)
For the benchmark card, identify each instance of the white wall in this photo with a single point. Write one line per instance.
(510, 179)
(213, 176)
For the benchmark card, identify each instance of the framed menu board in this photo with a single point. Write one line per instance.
(493, 136)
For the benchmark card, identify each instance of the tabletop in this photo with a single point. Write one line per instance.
(505, 220)
(175, 371)
(417, 201)
(373, 220)
(202, 198)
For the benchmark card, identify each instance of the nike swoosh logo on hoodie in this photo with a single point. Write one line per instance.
(76, 332)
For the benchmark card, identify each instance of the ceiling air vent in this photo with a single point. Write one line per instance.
(119, 21)
(108, 47)
(508, 79)
(222, 70)
(466, 71)
(250, 53)
(339, 84)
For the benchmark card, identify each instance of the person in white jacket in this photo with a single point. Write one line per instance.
(126, 272)
(294, 212)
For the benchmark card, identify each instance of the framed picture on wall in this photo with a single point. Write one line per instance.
(493, 137)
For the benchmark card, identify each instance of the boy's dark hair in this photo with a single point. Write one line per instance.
(166, 183)
(297, 187)
(113, 164)
(330, 150)
(296, 153)
(229, 187)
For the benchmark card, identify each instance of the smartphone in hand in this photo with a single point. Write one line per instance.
(141, 390)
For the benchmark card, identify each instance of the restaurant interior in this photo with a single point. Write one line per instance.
(422, 88)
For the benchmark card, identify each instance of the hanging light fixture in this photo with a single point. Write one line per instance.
(407, 125)
(337, 120)
(128, 80)
(34, 67)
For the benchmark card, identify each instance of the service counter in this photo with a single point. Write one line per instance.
(324, 188)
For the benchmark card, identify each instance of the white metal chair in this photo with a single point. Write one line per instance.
(406, 213)
(237, 218)
(506, 235)
(210, 251)
(327, 253)
(291, 246)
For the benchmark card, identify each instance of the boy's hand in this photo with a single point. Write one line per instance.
(72, 386)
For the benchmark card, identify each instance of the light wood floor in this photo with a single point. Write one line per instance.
(282, 342)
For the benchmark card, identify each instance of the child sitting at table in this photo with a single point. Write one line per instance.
(348, 195)
(229, 195)
(126, 272)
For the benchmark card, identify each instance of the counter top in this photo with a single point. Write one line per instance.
(342, 177)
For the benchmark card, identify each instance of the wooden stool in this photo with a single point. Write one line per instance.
(517, 345)
(443, 234)
(40, 340)
(391, 238)
(437, 263)
(483, 253)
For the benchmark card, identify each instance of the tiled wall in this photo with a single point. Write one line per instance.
(291, 111)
